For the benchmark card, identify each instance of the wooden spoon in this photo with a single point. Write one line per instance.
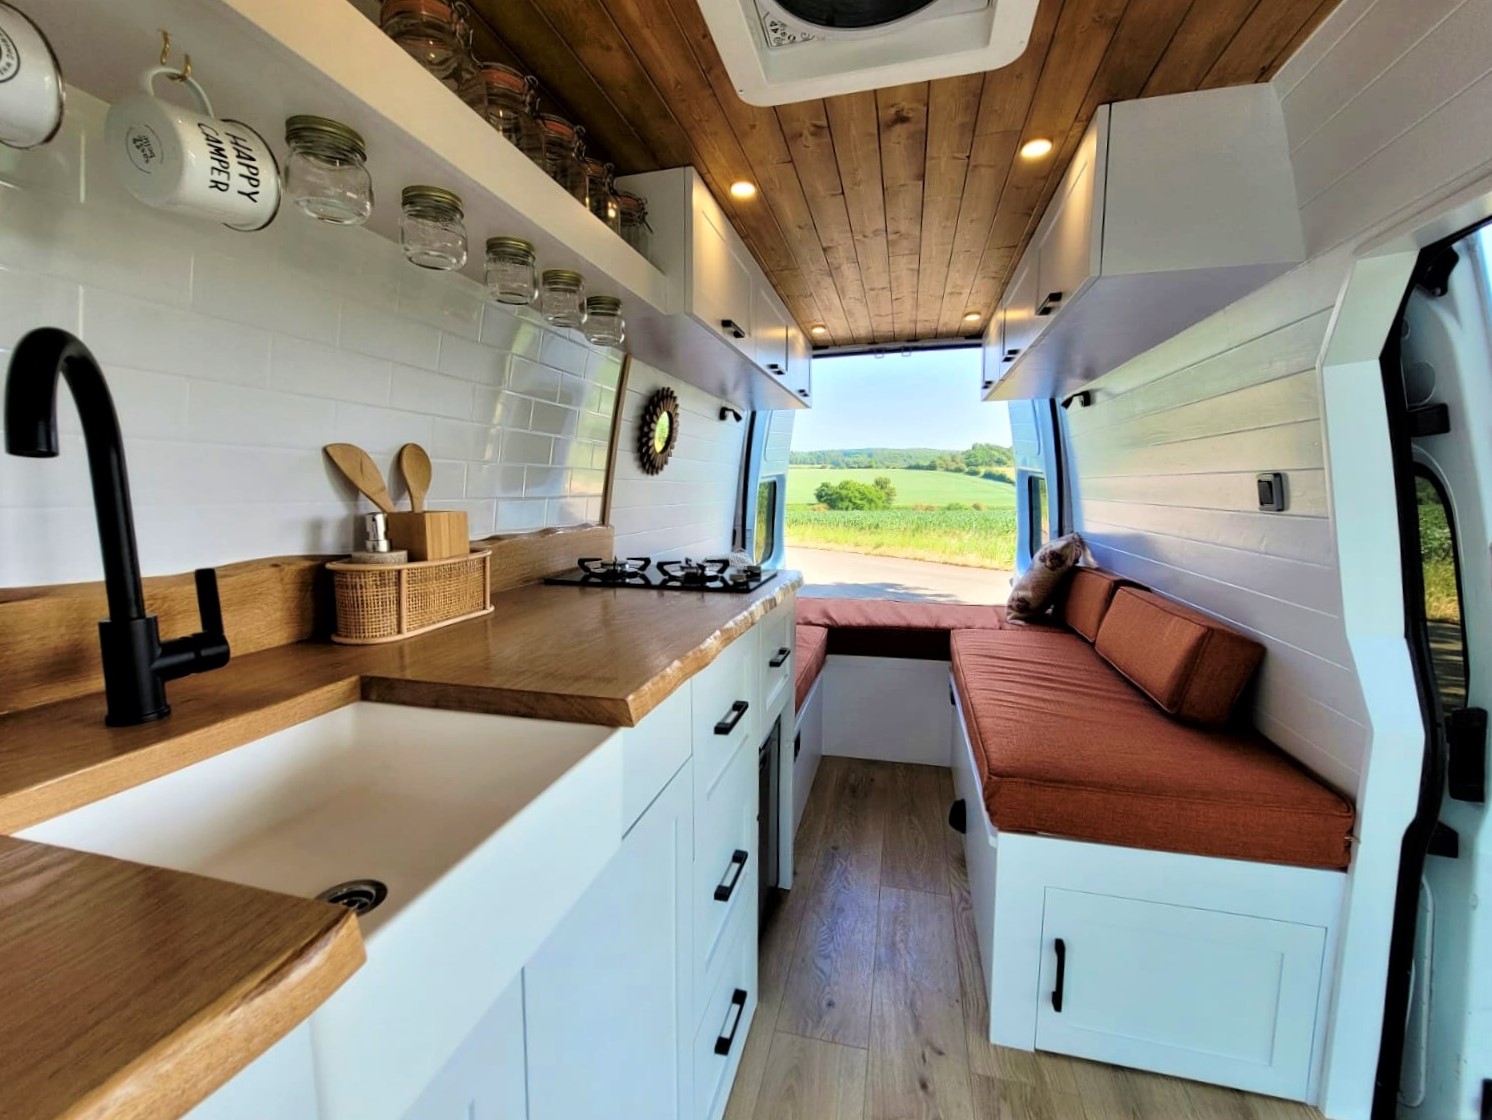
(362, 472)
(415, 464)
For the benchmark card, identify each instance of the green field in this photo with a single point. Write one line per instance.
(913, 488)
(973, 538)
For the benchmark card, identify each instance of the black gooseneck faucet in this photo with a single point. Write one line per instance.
(137, 664)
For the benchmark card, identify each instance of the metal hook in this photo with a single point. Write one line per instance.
(165, 46)
(185, 73)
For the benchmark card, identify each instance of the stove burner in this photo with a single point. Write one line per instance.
(616, 570)
(692, 573)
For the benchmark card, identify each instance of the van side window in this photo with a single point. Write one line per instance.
(1041, 527)
(766, 521)
(1442, 579)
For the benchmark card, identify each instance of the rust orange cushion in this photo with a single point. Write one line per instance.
(1190, 664)
(1086, 599)
(1063, 746)
(813, 649)
(891, 628)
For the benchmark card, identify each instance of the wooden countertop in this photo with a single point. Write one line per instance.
(134, 991)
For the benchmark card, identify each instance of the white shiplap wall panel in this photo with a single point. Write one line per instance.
(1219, 491)
(690, 508)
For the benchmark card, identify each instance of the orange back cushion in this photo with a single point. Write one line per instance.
(1086, 600)
(1191, 665)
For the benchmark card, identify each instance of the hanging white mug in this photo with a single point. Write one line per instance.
(31, 90)
(191, 162)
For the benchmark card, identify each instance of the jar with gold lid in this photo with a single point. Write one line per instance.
(564, 151)
(562, 298)
(432, 228)
(326, 174)
(604, 325)
(511, 274)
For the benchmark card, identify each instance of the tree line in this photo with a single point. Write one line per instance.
(983, 460)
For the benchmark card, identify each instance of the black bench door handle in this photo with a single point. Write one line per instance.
(734, 1017)
(737, 868)
(780, 660)
(1061, 947)
(733, 717)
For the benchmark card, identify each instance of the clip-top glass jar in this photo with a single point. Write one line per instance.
(510, 274)
(633, 216)
(326, 176)
(428, 29)
(604, 325)
(562, 299)
(564, 148)
(505, 98)
(431, 228)
(600, 198)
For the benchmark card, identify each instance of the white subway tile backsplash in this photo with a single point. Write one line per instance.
(419, 390)
(313, 370)
(233, 358)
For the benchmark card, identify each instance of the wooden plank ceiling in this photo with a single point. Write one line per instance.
(886, 216)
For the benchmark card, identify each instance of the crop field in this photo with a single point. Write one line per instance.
(913, 488)
(973, 538)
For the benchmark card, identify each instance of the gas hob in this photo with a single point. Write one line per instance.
(665, 575)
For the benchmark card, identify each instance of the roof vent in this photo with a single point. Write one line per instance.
(778, 51)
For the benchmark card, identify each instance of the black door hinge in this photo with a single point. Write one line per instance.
(1466, 750)
(1429, 420)
(1434, 275)
(1445, 841)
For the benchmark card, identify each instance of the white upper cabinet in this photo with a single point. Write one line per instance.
(714, 281)
(1172, 208)
(799, 363)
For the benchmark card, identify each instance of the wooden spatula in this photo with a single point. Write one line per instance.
(362, 472)
(416, 467)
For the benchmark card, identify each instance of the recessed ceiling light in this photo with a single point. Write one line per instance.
(742, 188)
(818, 330)
(972, 317)
(1035, 149)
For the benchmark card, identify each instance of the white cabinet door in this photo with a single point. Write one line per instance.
(799, 362)
(607, 997)
(484, 1079)
(1020, 310)
(722, 275)
(1219, 997)
(992, 354)
(769, 329)
(1068, 240)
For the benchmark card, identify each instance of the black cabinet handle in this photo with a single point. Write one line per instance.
(1061, 947)
(802, 392)
(733, 874)
(1049, 304)
(987, 384)
(958, 816)
(780, 659)
(733, 717)
(732, 328)
(773, 367)
(736, 1014)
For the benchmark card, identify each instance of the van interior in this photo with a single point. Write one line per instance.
(745, 559)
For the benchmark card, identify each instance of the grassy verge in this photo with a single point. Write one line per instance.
(972, 538)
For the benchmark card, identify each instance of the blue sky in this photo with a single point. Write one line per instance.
(927, 398)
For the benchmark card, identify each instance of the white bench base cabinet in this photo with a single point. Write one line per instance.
(806, 749)
(890, 709)
(1217, 970)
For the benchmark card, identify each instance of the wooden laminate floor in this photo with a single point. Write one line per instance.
(872, 995)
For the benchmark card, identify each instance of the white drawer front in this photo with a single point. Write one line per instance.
(1212, 996)
(729, 1009)
(721, 725)
(778, 639)
(725, 883)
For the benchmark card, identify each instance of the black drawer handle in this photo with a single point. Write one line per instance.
(781, 659)
(733, 717)
(732, 328)
(738, 1006)
(773, 367)
(737, 869)
(1061, 947)
(1049, 304)
(958, 816)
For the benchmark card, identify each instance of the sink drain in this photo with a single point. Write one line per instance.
(358, 895)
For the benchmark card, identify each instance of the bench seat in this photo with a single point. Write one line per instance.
(890, 628)
(812, 649)
(1064, 745)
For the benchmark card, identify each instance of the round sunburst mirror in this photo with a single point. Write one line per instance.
(660, 431)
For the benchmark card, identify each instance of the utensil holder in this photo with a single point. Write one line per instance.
(386, 602)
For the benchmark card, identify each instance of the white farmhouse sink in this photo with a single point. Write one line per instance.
(485, 829)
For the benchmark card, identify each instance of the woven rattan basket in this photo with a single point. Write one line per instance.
(386, 602)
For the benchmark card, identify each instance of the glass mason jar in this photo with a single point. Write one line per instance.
(562, 299)
(600, 197)
(633, 215)
(511, 275)
(564, 149)
(505, 98)
(431, 228)
(326, 175)
(604, 325)
(428, 29)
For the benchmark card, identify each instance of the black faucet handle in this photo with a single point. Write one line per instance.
(209, 606)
